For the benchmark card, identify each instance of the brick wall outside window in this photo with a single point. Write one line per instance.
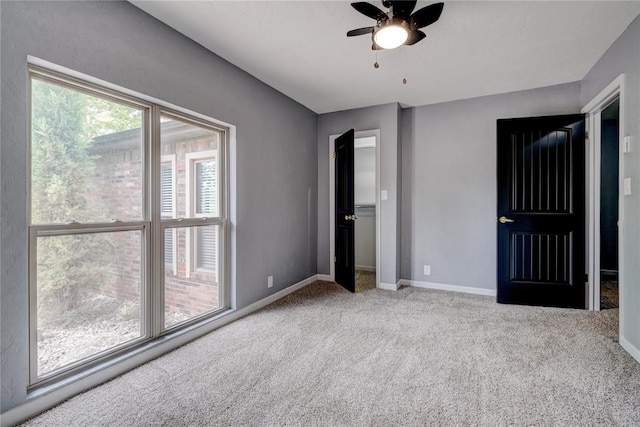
(117, 174)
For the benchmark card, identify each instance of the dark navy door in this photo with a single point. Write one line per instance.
(541, 211)
(345, 216)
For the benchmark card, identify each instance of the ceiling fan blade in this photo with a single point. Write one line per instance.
(360, 31)
(369, 10)
(403, 8)
(427, 15)
(415, 37)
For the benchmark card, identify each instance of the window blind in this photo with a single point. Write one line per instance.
(206, 205)
(166, 209)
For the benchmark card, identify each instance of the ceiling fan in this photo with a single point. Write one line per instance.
(400, 25)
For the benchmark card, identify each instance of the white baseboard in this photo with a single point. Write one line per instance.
(389, 286)
(275, 297)
(45, 399)
(324, 277)
(452, 288)
(630, 348)
(366, 268)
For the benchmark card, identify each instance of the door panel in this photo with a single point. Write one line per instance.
(345, 231)
(543, 182)
(543, 258)
(541, 179)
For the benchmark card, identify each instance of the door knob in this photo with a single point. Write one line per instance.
(350, 217)
(503, 220)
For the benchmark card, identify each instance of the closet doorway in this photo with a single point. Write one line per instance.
(609, 201)
(606, 188)
(366, 211)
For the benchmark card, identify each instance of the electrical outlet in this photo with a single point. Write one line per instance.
(427, 270)
(270, 282)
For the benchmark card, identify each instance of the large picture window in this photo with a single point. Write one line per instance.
(126, 224)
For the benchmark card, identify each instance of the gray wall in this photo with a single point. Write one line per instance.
(385, 118)
(624, 57)
(449, 182)
(276, 158)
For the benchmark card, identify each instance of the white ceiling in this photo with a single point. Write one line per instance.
(475, 49)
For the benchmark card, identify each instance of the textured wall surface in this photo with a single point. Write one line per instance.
(275, 151)
(385, 118)
(624, 57)
(449, 182)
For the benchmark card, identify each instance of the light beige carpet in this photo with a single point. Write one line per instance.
(325, 357)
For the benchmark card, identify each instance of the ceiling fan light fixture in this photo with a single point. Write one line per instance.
(391, 34)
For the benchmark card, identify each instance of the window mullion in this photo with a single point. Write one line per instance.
(33, 308)
(155, 284)
(224, 210)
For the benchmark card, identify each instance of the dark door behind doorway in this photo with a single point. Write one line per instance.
(609, 168)
(609, 173)
(345, 212)
(541, 224)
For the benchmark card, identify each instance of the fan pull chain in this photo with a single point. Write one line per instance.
(404, 65)
(376, 65)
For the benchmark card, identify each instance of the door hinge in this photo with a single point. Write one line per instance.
(335, 258)
(586, 278)
(334, 155)
(586, 135)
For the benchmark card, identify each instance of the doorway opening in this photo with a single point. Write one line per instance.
(609, 189)
(365, 211)
(605, 115)
(366, 204)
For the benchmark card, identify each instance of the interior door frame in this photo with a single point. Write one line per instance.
(332, 200)
(593, 110)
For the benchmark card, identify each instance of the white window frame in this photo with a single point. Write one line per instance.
(151, 227)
